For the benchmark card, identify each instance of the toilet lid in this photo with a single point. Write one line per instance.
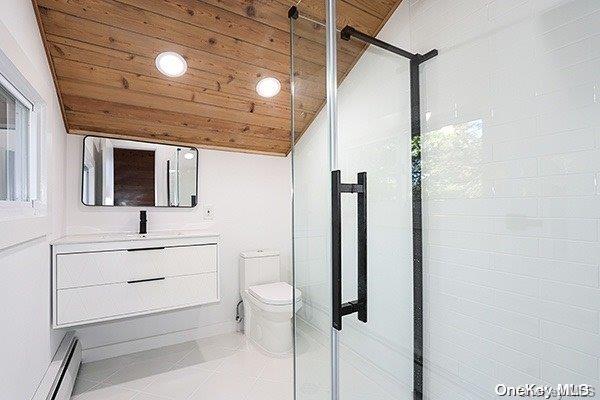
(279, 293)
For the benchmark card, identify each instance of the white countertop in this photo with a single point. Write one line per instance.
(128, 237)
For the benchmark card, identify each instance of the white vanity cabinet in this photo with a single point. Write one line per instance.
(99, 278)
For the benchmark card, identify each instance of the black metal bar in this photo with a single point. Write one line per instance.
(162, 278)
(350, 307)
(147, 248)
(293, 12)
(143, 222)
(427, 56)
(415, 111)
(362, 247)
(415, 60)
(168, 183)
(357, 306)
(350, 188)
(336, 250)
(349, 32)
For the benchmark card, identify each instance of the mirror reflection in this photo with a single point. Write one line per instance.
(128, 173)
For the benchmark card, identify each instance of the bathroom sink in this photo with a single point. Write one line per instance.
(152, 235)
(120, 237)
(138, 236)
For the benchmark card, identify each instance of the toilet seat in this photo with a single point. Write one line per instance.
(277, 294)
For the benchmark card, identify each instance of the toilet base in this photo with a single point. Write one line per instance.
(268, 327)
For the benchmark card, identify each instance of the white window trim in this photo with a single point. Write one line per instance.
(32, 153)
(27, 220)
(15, 92)
(25, 208)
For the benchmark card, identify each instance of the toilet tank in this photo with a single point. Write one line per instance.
(258, 267)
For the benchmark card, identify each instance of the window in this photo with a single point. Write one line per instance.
(18, 161)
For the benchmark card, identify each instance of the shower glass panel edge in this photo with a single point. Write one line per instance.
(311, 159)
(332, 122)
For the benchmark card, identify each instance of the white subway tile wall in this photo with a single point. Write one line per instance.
(511, 161)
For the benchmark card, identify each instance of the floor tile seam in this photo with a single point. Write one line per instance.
(250, 389)
(151, 394)
(210, 375)
(156, 376)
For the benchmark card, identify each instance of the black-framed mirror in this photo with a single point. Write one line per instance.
(129, 173)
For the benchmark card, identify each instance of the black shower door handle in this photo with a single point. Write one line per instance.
(360, 305)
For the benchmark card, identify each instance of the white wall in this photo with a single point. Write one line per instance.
(510, 148)
(27, 342)
(512, 249)
(251, 197)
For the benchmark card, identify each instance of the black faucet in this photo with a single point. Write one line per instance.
(143, 225)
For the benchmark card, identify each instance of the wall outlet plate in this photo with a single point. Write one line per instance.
(208, 212)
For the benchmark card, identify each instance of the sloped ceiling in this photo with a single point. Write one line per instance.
(102, 54)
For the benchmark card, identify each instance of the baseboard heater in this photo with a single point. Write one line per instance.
(59, 380)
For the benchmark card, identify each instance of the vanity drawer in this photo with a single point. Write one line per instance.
(118, 266)
(118, 300)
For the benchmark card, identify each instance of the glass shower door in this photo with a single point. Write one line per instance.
(311, 160)
(374, 138)
(352, 201)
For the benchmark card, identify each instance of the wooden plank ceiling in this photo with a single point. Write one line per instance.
(102, 55)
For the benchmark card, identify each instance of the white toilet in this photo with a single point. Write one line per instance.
(267, 301)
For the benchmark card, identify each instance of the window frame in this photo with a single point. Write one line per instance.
(35, 208)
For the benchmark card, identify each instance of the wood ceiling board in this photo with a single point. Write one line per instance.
(204, 15)
(274, 13)
(173, 141)
(348, 14)
(189, 135)
(120, 35)
(75, 28)
(76, 71)
(379, 8)
(38, 18)
(141, 65)
(84, 53)
(150, 25)
(267, 12)
(126, 96)
(167, 119)
(103, 51)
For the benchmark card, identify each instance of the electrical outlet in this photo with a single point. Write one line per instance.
(209, 212)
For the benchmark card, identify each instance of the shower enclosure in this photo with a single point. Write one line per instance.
(358, 253)
(446, 237)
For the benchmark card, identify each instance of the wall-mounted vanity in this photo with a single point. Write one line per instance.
(98, 278)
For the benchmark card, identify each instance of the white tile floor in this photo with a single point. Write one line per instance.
(314, 375)
(218, 368)
(222, 367)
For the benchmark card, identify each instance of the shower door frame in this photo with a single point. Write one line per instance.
(415, 59)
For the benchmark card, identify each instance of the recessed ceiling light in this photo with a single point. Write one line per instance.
(268, 87)
(189, 155)
(171, 64)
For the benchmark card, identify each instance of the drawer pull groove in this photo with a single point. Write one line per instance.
(147, 248)
(147, 280)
